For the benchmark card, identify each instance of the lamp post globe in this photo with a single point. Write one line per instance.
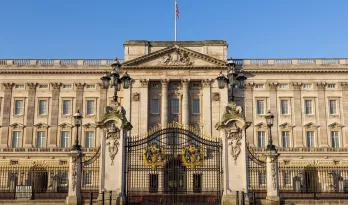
(269, 120)
(77, 122)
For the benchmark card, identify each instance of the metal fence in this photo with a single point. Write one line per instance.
(257, 178)
(90, 175)
(34, 181)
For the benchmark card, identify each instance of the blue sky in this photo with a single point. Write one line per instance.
(98, 28)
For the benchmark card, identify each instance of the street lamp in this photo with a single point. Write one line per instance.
(77, 122)
(269, 119)
(113, 79)
(233, 78)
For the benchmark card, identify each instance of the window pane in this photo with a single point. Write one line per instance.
(286, 139)
(89, 139)
(308, 106)
(42, 107)
(335, 139)
(260, 107)
(19, 107)
(261, 139)
(195, 106)
(41, 139)
(310, 139)
(155, 106)
(175, 106)
(65, 136)
(66, 107)
(87, 177)
(284, 107)
(332, 104)
(262, 178)
(90, 107)
(16, 139)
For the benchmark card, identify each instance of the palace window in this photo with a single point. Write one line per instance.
(283, 86)
(19, 86)
(66, 107)
(42, 107)
(90, 86)
(284, 107)
(259, 86)
(87, 177)
(286, 138)
(260, 107)
(16, 139)
(308, 107)
(155, 106)
(64, 140)
(89, 142)
(286, 178)
(261, 139)
(153, 183)
(40, 139)
(307, 86)
(67, 86)
(335, 139)
(333, 107)
(90, 107)
(262, 178)
(310, 138)
(174, 106)
(197, 183)
(331, 85)
(195, 106)
(19, 107)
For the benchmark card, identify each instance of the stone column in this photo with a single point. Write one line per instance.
(297, 110)
(185, 102)
(75, 176)
(272, 178)
(113, 154)
(6, 115)
(28, 136)
(232, 128)
(248, 110)
(164, 102)
(207, 117)
(54, 115)
(322, 130)
(344, 86)
(79, 96)
(144, 106)
(274, 110)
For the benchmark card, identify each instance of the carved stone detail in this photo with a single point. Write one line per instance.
(136, 96)
(216, 96)
(321, 85)
(335, 125)
(249, 86)
(74, 173)
(41, 125)
(177, 58)
(80, 86)
(17, 125)
(65, 125)
(113, 143)
(32, 86)
(273, 172)
(144, 83)
(273, 86)
(8, 86)
(185, 82)
(56, 85)
(297, 85)
(164, 82)
(234, 141)
(206, 83)
(344, 85)
(89, 125)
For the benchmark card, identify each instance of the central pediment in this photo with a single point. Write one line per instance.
(175, 56)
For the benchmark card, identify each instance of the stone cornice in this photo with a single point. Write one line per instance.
(295, 69)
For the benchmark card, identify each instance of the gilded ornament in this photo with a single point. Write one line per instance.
(192, 156)
(154, 156)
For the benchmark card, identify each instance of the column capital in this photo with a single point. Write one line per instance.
(206, 83)
(80, 86)
(164, 82)
(185, 82)
(144, 83)
(273, 85)
(297, 85)
(344, 85)
(56, 86)
(32, 86)
(249, 86)
(8, 86)
(321, 85)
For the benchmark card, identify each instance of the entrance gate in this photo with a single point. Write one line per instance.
(173, 165)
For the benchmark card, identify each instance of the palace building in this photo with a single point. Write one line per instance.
(173, 82)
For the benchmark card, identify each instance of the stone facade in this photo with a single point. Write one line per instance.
(174, 82)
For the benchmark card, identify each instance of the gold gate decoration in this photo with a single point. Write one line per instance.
(192, 156)
(154, 156)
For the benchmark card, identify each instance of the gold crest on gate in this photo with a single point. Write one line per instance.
(154, 156)
(192, 156)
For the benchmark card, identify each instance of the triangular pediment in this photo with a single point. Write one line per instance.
(175, 56)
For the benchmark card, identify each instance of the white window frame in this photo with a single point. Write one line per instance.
(261, 139)
(67, 86)
(15, 107)
(336, 107)
(284, 86)
(90, 86)
(198, 107)
(87, 177)
(18, 139)
(286, 139)
(66, 139)
(258, 111)
(281, 107)
(42, 138)
(259, 86)
(89, 140)
(39, 107)
(20, 86)
(331, 86)
(173, 106)
(88, 111)
(307, 86)
(153, 106)
(70, 109)
(335, 143)
(310, 140)
(311, 108)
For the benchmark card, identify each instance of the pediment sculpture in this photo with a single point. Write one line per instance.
(177, 58)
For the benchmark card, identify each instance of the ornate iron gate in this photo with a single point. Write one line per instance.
(173, 165)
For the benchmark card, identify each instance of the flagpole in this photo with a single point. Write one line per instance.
(175, 20)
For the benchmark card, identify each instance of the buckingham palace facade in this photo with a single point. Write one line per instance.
(174, 82)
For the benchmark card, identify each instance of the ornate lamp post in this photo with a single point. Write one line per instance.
(269, 119)
(113, 79)
(233, 78)
(77, 122)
